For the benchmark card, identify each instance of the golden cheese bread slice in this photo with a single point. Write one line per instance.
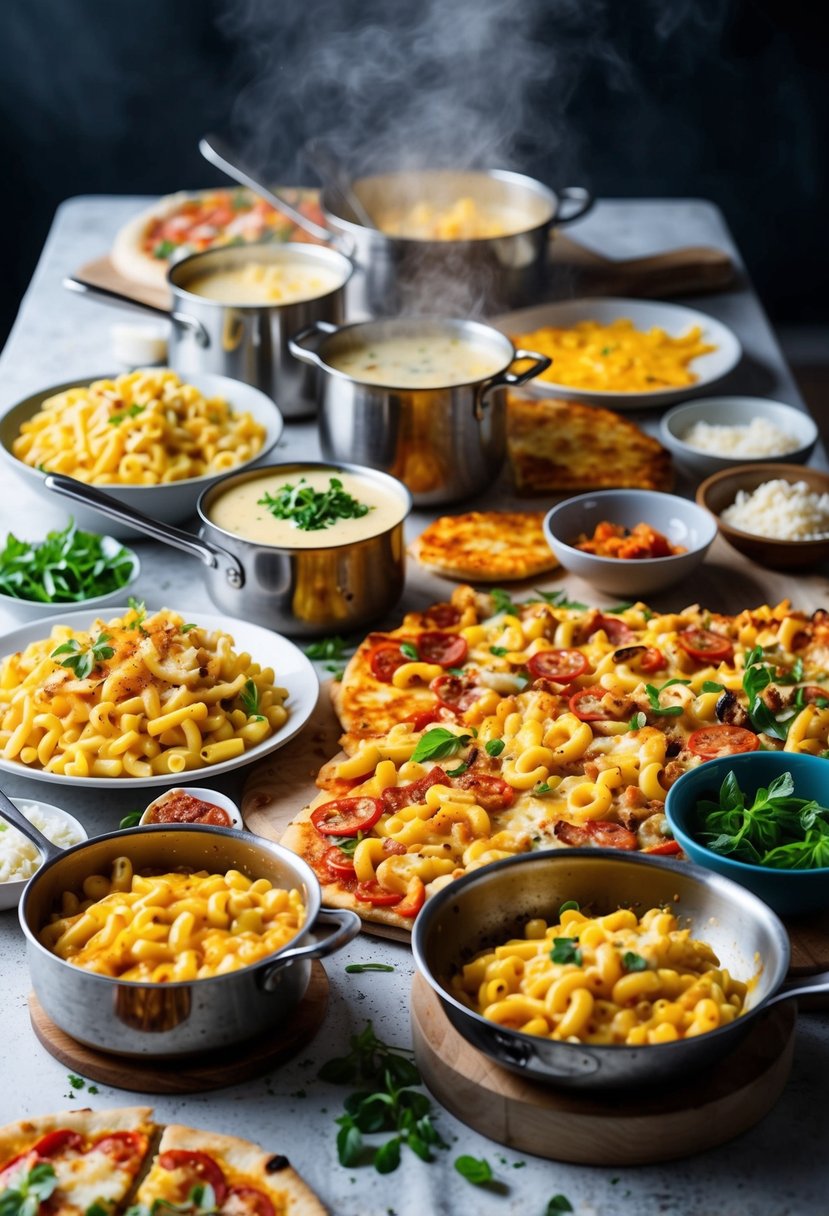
(486, 546)
(564, 446)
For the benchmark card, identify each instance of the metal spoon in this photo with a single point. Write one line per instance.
(332, 173)
(17, 819)
(214, 149)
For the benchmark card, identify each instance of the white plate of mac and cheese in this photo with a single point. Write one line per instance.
(139, 698)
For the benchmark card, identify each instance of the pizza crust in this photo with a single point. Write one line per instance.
(127, 254)
(486, 546)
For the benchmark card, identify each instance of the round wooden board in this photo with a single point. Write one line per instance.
(621, 1128)
(228, 1066)
(279, 787)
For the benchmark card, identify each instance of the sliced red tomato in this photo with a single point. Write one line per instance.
(446, 649)
(347, 816)
(572, 835)
(373, 893)
(396, 796)
(587, 704)
(455, 693)
(492, 793)
(443, 616)
(413, 900)
(669, 849)
(652, 660)
(122, 1147)
(559, 665)
(617, 631)
(57, 1142)
(247, 1201)
(710, 742)
(200, 1167)
(338, 863)
(705, 646)
(611, 835)
(425, 718)
(385, 658)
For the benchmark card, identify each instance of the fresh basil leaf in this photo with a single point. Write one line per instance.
(437, 743)
(569, 905)
(501, 602)
(409, 651)
(131, 819)
(712, 686)
(349, 1142)
(542, 787)
(387, 1157)
(631, 961)
(558, 1203)
(473, 1169)
(456, 772)
(494, 747)
(249, 696)
(565, 950)
(498, 651)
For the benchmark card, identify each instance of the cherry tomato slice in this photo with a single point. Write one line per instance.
(56, 1141)
(199, 1166)
(247, 1201)
(446, 649)
(705, 646)
(617, 631)
(710, 742)
(413, 900)
(652, 660)
(425, 718)
(122, 1147)
(443, 616)
(455, 693)
(396, 796)
(587, 704)
(492, 793)
(373, 893)
(669, 849)
(385, 659)
(611, 835)
(559, 665)
(347, 816)
(338, 863)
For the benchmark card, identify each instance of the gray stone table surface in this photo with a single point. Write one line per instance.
(780, 1168)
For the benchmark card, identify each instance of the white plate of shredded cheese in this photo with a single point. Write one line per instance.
(19, 858)
(719, 432)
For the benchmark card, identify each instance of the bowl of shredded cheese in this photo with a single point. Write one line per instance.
(19, 858)
(720, 432)
(776, 514)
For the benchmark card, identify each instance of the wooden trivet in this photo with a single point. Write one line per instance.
(213, 1070)
(618, 1128)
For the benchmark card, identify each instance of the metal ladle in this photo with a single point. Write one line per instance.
(331, 171)
(214, 149)
(17, 819)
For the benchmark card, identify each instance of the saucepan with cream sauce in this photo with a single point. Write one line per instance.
(302, 548)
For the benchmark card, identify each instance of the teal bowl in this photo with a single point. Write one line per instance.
(788, 892)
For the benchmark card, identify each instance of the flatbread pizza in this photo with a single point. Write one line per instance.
(486, 546)
(543, 725)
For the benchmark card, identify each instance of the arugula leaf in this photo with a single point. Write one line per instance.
(794, 675)
(501, 602)
(494, 747)
(333, 648)
(558, 599)
(473, 1169)
(756, 677)
(665, 711)
(65, 568)
(565, 950)
(311, 510)
(437, 743)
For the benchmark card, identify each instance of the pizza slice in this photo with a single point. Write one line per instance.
(486, 546)
(78, 1163)
(196, 1172)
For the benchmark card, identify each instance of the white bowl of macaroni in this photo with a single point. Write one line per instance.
(150, 438)
(19, 858)
(587, 1007)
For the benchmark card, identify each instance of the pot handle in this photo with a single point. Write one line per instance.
(89, 496)
(119, 300)
(17, 819)
(581, 199)
(316, 330)
(540, 363)
(346, 924)
(803, 985)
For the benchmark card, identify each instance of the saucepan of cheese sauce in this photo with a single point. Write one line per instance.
(421, 398)
(262, 564)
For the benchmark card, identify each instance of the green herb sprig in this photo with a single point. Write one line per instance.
(66, 567)
(757, 675)
(81, 661)
(476, 1170)
(657, 708)
(311, 510)
(558, 599)
(775, 829)
(249, 696)
(438, 743)
(25, 1198)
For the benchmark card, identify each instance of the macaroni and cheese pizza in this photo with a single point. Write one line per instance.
(110, 1162)
(134, 696)
(483, 728)
(486, 546)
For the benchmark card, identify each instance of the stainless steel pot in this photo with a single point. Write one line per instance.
(445, 444)
(248, 342)
(179, 1018)
(494, 903)
(485, 275)
(301, 592)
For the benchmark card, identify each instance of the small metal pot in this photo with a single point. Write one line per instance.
(493, 904)
(185, 1017)
(248, 342)
(301, 592)
(445, 444)
(488, 275)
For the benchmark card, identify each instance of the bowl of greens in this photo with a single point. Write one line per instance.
(761, 819)
(40, 578)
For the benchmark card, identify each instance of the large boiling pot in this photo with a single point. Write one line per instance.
(478, 276)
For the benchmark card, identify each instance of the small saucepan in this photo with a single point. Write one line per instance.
(178, 1018)
(334, 586)
(493, 904)
(248, 342)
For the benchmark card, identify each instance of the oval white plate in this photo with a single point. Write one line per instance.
(292, 670)
(673, 318)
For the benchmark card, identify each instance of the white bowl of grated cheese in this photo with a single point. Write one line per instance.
(19, 859)
(776, 514)
(720, 432)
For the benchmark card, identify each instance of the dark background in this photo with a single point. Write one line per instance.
(725, 100)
